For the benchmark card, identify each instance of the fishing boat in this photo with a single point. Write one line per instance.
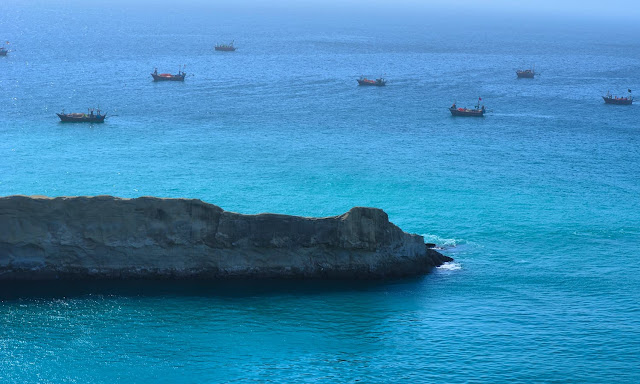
(379, 82)
(3, 50)
(476, 112)
(225, 47)
(526, 73)
(167, 76)
(82, 117)
(610, 99)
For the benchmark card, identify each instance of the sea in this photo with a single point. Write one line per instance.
(538, 202)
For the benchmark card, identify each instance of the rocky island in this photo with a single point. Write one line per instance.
(106, 237)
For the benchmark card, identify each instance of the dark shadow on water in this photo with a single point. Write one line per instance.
(14, 290)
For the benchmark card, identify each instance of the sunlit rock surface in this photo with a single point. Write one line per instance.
(148, 237)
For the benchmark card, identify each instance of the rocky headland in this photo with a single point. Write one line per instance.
(147, 237)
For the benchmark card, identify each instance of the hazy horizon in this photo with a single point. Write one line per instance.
(611, 12)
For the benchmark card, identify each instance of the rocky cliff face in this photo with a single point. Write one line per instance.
(148, 237)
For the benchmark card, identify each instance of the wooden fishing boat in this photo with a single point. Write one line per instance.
(225, 47)
(379, 82)
(477, 111)
(526, 73)
(610, 99)
(82, 117)
(167, 76)
(4, 50)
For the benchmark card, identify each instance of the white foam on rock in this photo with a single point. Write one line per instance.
(450, 266)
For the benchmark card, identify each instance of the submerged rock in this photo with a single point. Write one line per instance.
(149, 237)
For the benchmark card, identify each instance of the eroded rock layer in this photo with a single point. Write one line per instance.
(148, 237)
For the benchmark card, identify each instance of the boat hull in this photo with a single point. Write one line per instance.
(225, 49)
(467, 113)
(64, 118)
(525, 75)
(611, 100)
(372, 84)
(167, 78)
(3, 52)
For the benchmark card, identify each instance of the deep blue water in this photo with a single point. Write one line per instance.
(538, 202)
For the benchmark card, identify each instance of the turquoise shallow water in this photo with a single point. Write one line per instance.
(537, 202)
